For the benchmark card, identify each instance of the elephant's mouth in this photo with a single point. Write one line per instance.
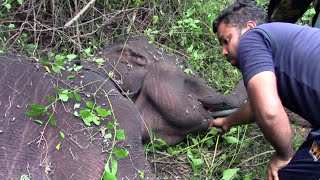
(214, 112)
(208, 107)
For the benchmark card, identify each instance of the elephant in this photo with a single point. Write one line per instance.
(139, 89)
(30, 149)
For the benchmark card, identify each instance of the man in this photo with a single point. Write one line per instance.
(280, 63)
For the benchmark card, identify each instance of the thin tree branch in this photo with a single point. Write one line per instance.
(79, 13)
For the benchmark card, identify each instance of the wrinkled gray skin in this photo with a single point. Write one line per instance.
(83, 153)
(165, 100)
(172, 104)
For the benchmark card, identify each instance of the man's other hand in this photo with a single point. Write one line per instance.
(276, 163)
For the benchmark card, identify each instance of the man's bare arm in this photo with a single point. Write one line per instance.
(269, 112)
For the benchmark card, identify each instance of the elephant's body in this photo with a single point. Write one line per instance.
(83, 152)
(165, 100)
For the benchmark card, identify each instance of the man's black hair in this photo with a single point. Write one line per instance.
(239, 13)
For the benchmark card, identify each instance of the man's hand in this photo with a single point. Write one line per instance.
(221, 124)
(275, 164)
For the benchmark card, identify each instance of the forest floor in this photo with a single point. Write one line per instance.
(252, 160)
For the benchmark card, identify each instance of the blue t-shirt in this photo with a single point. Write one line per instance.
(292, 52)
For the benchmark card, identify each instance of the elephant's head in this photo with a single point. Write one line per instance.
(174, 104)
(127, 67)
(130, 63)
(171, 103)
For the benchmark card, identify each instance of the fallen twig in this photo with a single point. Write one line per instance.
(79, 14)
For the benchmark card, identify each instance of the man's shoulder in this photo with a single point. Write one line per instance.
(279, 25)
(280, 35)
(283, 29)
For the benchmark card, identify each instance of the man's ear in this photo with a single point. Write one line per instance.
(250, 24)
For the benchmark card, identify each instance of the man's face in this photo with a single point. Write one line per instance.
(229, 37)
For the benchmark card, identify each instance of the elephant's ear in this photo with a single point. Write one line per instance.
(132, 57)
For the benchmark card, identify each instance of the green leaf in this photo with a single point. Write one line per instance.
(121, 153)
(120, 134)
(76, 106)
(59, 57)
(7, 5)
(114, 166)
(63, 97)
(85, 113)
(95, 120)
(161, 142)
(77, 96)
(232, 130)
(231, 139)
(189, 154)
(89, 104)
(247, 176)
(55, 68)
(32, 113)
(197, 162)
(38, 121)
(87, 121)
(110, 126)
(24, 177)
(109, 176)
(224, 156)
(103, 112)
(88, 50)
(77, 68)
(209, 142)
(171, 150)
(11, 26)
(107, 136)
(110, 171)
(50, 98)
(155, 19)
(76, 114)
(52, 121)
(20, 2)
(107, 168)
(58, 146)
(92, 118)
(194, 141)
(100, 61)
(229, 173)
(110, 74)
(71, 56)
(214, 131)
(62, 134)
(68, 93)
(190, 12)
(141, 174)
(37, 107)
(71, 76)
(188, 71)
